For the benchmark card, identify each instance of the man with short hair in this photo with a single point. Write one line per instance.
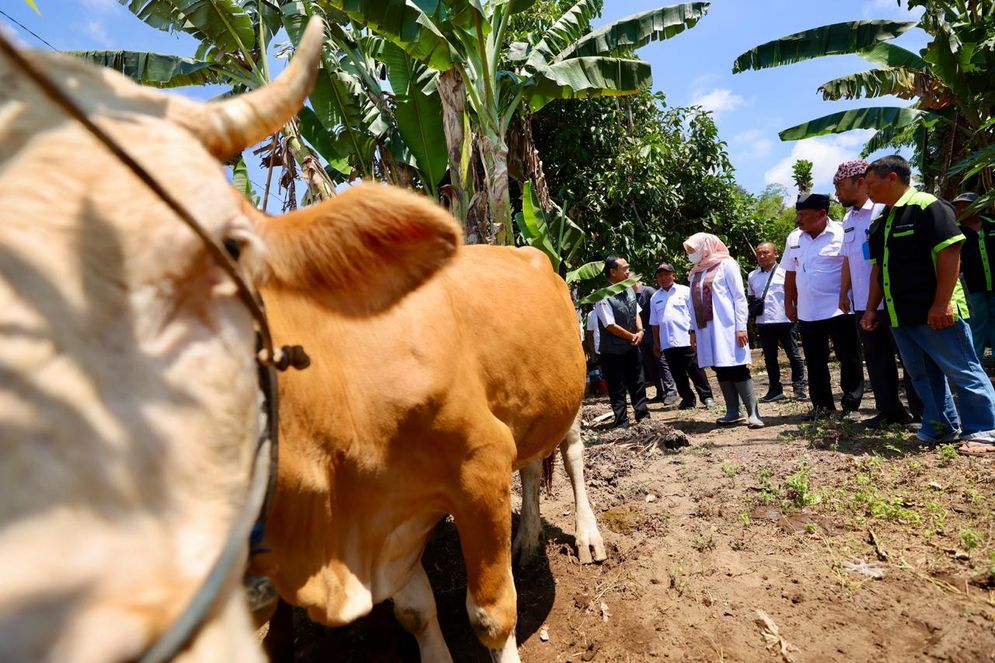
(656, 371)
(766, 284)
(977, 258)
(879, 347)
(670, 321)
(620, 333)
(915, 248)
(812, 287)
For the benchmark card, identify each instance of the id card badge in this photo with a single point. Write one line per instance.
(866, 248)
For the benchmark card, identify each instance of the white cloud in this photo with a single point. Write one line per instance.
(718, 100)
(751, 144)
(96, 30)
(826, 154)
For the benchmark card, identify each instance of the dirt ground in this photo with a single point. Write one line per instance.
(790, 543)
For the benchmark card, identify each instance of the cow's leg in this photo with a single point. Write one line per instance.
(414, 607)
(482, 510)
(528, 538)
(586, 533)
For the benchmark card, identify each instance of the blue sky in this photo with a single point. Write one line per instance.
(692, 68)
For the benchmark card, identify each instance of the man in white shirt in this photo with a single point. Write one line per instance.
(670, 322)
(813, 267)
(766, 284)
(879, 346)
(620, 332)
(656, 372)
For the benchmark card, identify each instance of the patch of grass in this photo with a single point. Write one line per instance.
(970, 539)
(731, 469)
(797, 489)
(811, 528)
(828, 433)
(874, 505)
(744, 518)
(948, 454)
(768, 492)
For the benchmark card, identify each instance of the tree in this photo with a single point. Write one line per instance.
(801, 172)
(639, 177)
(469, 37)
(949, 82)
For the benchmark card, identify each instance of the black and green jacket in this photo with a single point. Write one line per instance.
(977, 256)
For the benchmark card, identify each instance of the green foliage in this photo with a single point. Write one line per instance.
(797, 489)
(835, 39)
(801, 173)
(731, 469)
(240, 180)
(641, 177)
(970, 539)
(948, 454)
(157, 70)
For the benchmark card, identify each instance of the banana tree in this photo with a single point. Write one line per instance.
(556, 235)
(500, 79)
(948, 83)
(234, 36)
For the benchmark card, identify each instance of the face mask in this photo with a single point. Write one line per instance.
(695, 257)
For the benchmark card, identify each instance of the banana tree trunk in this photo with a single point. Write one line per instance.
(317, 179)
(452, 92)
(494, 155)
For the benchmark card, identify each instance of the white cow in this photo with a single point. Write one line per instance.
(128, 389)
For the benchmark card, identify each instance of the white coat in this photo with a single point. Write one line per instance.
(717, 340)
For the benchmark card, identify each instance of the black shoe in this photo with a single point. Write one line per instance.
(772, 397)
(621, 425)
(645, 416)
(818, 413)
(685, 405)
(656, 399)
(882, 420)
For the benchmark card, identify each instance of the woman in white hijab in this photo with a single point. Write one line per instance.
(718, 320)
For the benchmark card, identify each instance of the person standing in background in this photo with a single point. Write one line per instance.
(620, 334)
(813, 269)
(880, 352)
(655, 367)
(670, 322)
(977, 258)
(766, 284)
(718, 320)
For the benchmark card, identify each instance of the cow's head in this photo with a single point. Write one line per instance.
(128, 390)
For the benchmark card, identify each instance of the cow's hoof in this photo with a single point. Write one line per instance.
(584, 549)
(525, 555)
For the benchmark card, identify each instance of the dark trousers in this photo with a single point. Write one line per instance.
(684, 365)
(656, 369)
(816, 335)
(625, 371)
(880, 353)
(780, 334)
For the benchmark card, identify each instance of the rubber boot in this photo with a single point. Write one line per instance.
(731, 396)
(745, 389)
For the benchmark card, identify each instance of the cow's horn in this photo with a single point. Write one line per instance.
(228, 127)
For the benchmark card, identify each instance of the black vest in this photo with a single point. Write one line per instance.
(624, 307)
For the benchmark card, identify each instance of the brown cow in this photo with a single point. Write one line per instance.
(128, 387)
(414, 411)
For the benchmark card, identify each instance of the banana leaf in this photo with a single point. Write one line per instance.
(580, 78)
(634, 31)
(859, 118)
(889, 55)
(418, 113)
(240, 180)
(224, 25)
(835, 39)
(567, 29)
(155, 69)
(606, 292)
(586, 272)
(897, 81)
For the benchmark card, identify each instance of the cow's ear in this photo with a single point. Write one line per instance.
(362, 250)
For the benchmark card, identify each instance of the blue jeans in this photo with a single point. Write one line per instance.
(982, 321)
(934, 356)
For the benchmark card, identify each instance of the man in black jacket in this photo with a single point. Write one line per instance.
(622, 332)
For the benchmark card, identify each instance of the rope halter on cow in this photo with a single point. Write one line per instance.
(225, 128)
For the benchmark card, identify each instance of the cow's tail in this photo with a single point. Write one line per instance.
(546, 482)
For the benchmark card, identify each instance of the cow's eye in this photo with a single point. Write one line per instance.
(233, 247)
